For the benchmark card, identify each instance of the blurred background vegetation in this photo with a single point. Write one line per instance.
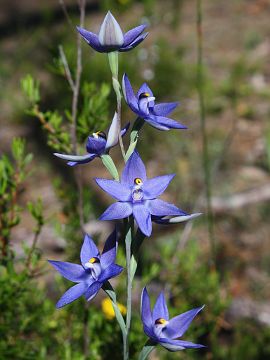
(39, 194)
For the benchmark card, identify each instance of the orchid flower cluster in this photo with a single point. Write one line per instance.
(137, 202)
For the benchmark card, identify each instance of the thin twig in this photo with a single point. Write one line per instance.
(76, 89)
(205, 154)
(66, 67)
(64, 8)
(33, 246)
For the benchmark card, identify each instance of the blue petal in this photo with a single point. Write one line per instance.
(110, 272)
(176, 345)
(159, 207)
(132, 34)
(150, 333)
(164, 123)
(109, 252)
(146, 314)
(115, 189)
(110, 33)
(113, 133)
(134, 43)
(178, 325)
(124, 130)
(152, 188)
(164, 109)
(174, 219)
(72, 294)
(143, 218)
(76, 159)
(92, 290)
(129, 94)
(91, 39)
(88, 250)
(133, 169)
(160, 309)
(144, 89)
(118, 210)
(95, 146)
(72, 272)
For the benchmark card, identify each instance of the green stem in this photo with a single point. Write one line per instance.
(148, 347)
(135, 247)
(128, 241)
(205, 153)
(114, 62)
(111, 293)
(134, 136)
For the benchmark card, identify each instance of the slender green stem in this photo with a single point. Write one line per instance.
(148, 347)
(205, 153)
(113, 62)
(135, 247)
(134, 136)
(128, 241)
(111, 293)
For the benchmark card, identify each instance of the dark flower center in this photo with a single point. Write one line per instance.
(100, 134)
(160, 321)
(93, 265)
(138, 181)
(137, 193)
(94, 260)
(144, 95)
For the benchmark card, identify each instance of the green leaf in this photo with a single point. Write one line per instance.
(111, 293)
(30, 87)
(109, 164)
(148, 347)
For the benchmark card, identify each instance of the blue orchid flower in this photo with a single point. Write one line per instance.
(97, 144)
(143, 104)
(111, 37)
(137, 195)
(162, 330)
(94, 271)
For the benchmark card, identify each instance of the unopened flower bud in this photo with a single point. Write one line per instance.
(110, 33)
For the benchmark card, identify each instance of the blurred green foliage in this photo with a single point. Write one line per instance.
(13, 174)
(30, 327)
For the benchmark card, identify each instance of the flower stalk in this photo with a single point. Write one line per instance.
(128, 242)
(114, 65)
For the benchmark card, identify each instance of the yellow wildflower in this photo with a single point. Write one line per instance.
(108, 311)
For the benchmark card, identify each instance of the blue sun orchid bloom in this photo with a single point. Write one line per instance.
(97, 144)
(137, 195)
(94, 271)
(162, 330)
(143, 105)
(111, 37)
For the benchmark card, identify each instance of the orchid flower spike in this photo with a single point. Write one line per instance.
(111, 37)
(97, 144)
(143, 105)
(165, 331)
(94, 271)
(137, 195)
